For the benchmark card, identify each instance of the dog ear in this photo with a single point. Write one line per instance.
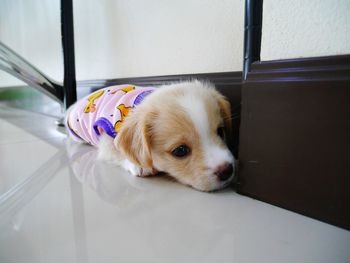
(133, 140)
(225, 111)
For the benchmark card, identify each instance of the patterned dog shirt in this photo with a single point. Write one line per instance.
(104, 109)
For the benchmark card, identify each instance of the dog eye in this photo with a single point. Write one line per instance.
(181, 151)
(220, 132)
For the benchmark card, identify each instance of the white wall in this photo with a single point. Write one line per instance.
(127, 38)
(298, 28)
(140, 38)
(32, 29)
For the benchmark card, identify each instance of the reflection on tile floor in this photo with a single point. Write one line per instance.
(58, 204)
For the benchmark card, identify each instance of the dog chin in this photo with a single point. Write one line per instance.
(214, 186)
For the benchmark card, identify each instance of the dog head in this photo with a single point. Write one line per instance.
(180, 130)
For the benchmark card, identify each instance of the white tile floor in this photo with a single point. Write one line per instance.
(57, 204)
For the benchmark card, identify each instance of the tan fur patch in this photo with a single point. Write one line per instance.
(159, 125)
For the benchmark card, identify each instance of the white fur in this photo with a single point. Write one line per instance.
(107, 152)
(214, 155)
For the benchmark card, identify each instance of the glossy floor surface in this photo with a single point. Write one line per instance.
(58, 204)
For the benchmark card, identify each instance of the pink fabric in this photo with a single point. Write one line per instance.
(105, 109)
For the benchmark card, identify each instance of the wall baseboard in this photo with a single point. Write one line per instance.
(295, 136)
(227, 82)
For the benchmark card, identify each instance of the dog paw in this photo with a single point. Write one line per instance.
(136, 170)
(144, 172)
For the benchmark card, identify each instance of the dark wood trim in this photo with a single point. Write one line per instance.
(332, 68)
(295, 136)
(229, 83)
(309, 62)
(219, 78)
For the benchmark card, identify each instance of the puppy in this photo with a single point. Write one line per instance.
(178, 129)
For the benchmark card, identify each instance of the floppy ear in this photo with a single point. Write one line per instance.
(225, 111)
(133, 140)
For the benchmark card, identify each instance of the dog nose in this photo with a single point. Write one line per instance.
(224, 171)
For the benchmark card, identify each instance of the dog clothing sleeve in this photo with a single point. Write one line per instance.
(104, 111)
